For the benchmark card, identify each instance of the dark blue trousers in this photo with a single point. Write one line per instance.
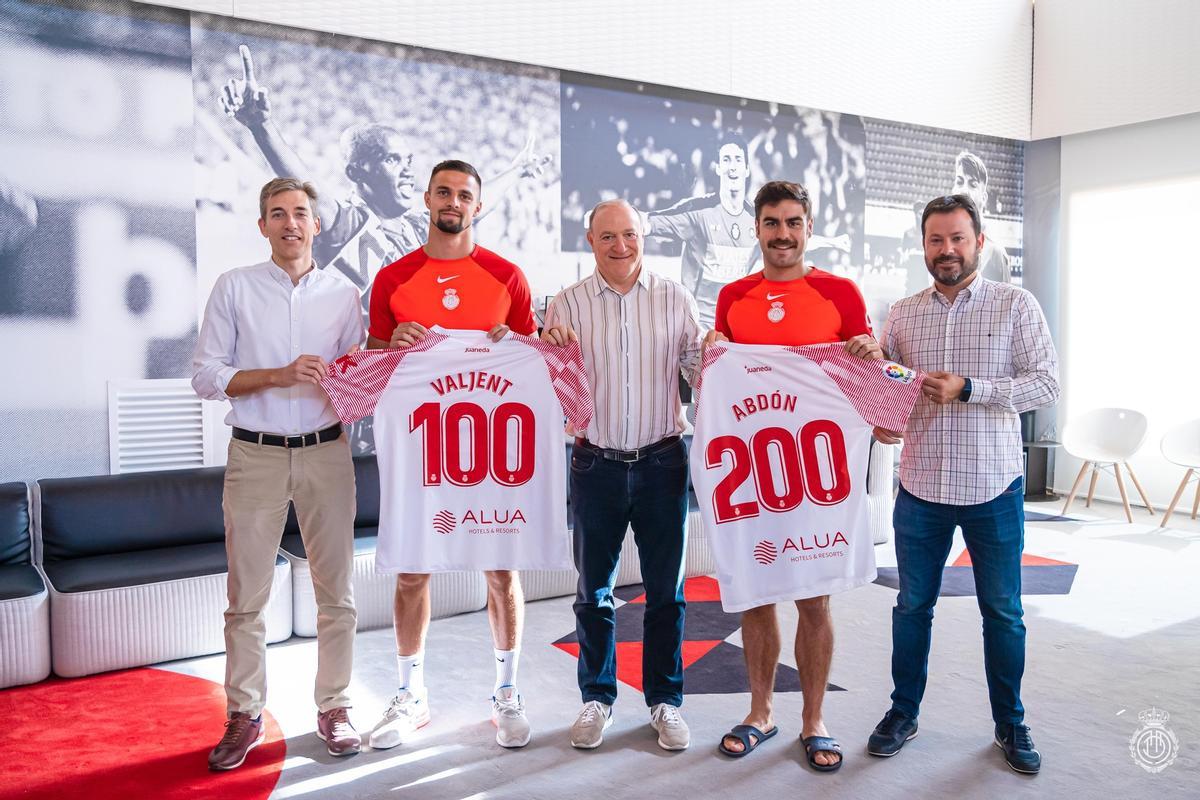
(995, 536)
(607, 497)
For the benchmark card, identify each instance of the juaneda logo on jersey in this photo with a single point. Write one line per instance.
(898, 372)
(801, 548)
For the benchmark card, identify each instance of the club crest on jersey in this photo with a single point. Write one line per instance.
(776, 312)
(898, 372)
(450, 299)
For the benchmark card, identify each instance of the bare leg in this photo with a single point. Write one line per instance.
(506, 608)
(411, 612)
(814, 654)
(760, 640)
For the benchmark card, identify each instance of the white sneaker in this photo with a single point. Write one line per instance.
(588, 729)
(508, 715)
(405, 714)
(673, 732)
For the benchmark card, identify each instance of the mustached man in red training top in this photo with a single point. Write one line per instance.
(455, 283)
(789, 303)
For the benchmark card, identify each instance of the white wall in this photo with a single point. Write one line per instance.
(1130, 297)
(1102, 63)
(942, 63)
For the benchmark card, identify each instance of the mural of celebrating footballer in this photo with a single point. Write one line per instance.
(717, 230)
(384, 218)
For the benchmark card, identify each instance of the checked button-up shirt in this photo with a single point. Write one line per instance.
(996, 335)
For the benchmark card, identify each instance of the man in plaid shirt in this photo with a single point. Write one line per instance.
(987, 351)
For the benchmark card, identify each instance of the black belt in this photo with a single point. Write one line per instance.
(627, 456)
(300, 440)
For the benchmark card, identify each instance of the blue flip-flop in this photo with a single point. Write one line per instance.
(822, 744)
(743, 733)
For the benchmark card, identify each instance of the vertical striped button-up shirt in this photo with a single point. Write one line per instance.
(634, 347)
(996, 335)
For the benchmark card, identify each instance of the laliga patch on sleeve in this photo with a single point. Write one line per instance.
(898, 372)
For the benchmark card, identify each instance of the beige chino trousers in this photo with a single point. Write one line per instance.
(259, 482)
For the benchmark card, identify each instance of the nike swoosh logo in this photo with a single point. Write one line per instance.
(773, 296)
(501, 660)
(440, 279)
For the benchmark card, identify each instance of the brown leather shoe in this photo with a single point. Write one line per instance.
(242, 734)
(340, 737)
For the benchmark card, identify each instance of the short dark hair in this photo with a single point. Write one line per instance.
(774, 192)
(972, 166)
(367, 141)
(949, 203)
(733, 139)
(454, 165)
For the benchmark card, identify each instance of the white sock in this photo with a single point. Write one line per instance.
(412, 672)
(506, 668)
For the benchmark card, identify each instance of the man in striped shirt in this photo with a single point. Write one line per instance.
(629, 468)
(988, 355)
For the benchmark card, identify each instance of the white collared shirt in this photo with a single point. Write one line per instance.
(256, 319)
(635, 345)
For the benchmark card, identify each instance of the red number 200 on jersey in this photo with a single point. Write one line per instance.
(818, 444)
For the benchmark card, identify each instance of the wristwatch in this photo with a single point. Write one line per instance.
(965, 395)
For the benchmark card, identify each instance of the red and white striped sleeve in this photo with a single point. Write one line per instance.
(356, 380)
(882, 392)
(567, 376)
(711, 354)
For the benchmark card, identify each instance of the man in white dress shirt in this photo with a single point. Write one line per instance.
(638, 332)
(269, 333)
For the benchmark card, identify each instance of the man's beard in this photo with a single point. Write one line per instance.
(450, 225)
(966, 269)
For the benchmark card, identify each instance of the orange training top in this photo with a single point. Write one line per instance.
(473, 293)
(820, 307)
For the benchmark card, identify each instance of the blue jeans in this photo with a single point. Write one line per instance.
(607, 496)
(995, 535)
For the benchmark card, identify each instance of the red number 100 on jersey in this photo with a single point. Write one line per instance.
(487, 447)
(800, 458)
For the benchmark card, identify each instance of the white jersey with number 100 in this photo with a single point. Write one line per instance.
(779, 464)
(469, 437)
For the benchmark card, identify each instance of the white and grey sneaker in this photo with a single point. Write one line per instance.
(508, 715)
(405, 714)
(673, 733)
(588, 729)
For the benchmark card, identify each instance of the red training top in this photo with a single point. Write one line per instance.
(818, 308)
(473, 293)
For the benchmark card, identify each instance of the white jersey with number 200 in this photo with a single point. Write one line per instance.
(779, 463)
(469, 437)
